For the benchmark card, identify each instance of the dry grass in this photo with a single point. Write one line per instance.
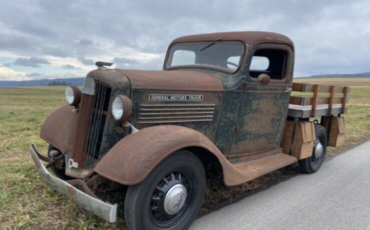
(26, 203)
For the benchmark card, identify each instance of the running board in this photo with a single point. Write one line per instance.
(246, 171)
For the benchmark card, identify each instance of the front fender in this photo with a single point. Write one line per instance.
(59, 129)
(131, 160)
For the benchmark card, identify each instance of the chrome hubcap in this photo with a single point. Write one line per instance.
(318, 150)
(175, 199)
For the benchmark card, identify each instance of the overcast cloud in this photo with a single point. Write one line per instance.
(49, 39)
(30, 62)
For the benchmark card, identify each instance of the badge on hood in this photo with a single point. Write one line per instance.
(175, 97)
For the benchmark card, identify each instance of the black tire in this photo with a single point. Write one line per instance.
(58, 171)
(313, 164)
(144, 204)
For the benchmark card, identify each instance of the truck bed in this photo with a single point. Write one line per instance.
(305, 111)
(317, 100)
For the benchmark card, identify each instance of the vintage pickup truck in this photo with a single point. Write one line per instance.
(222, 98)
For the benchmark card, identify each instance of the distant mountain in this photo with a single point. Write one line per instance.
(364, 74)
(43, 82)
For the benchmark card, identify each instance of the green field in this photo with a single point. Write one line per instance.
(26, 203)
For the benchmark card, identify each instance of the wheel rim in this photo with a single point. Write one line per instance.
(172, 199)
(318, 152)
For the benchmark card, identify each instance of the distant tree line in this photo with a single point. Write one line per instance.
(58, 83)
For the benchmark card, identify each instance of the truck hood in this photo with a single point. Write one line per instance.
(172, 80)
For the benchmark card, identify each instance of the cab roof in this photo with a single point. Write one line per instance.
(251, 38)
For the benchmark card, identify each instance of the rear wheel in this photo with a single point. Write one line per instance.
(170, 197)
(313, 163)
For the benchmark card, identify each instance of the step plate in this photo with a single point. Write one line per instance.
(247, 171)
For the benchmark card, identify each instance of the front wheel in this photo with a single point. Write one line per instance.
(313, 163)
(170, 197)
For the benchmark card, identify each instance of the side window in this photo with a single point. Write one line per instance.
(259, 63)
(183, 57)
(269, 61)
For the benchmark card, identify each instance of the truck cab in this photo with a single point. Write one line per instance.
(222, 97)
(253, 110)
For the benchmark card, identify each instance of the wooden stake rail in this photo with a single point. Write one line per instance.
(315, 99)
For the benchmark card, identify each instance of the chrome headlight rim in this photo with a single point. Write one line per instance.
(122, 108)
(73, 95)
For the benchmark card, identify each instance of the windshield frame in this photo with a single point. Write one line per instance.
(205, 43)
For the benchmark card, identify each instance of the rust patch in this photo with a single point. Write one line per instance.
(131, 160)
(248, 37)
(48, 177)
(134, 157)
(119, 129)
(84, 118)
(71, 191)
(244, 87)
(59, 129)
(173, 80)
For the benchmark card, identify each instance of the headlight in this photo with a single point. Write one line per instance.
(73, 95)
(121, 108)
(117, 108)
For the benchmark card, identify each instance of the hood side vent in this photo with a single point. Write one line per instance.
(175, 113)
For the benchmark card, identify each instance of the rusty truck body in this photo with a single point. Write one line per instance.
(224, 98)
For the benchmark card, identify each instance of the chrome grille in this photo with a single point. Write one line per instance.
(98, 117)
(175, 113)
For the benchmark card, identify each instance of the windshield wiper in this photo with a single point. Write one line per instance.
(211, 44)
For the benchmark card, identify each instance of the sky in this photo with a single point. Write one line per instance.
(43, 39)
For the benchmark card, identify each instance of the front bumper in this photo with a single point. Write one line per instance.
(102, 209)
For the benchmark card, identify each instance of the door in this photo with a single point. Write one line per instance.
(263, 108)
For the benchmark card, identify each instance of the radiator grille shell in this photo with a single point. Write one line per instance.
(93, 114)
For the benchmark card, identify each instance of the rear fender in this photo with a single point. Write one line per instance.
(59, 129)
(131, 160)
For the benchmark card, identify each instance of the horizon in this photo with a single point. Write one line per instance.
(59, 80)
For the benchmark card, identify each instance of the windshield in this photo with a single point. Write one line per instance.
(219, 55)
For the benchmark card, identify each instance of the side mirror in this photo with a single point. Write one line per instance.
(263, 79)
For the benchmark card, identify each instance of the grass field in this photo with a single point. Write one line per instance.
(26, 203)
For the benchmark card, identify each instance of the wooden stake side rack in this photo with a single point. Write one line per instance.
(324, 100)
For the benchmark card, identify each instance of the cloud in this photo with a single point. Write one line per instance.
(68, 66)
(329, 36)
(143, 63)
(57, 51)
(85, 42)
(30, 62)
(9, 74)
(38, 76)
(34, 75)
(123, 60)
(86, 61)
